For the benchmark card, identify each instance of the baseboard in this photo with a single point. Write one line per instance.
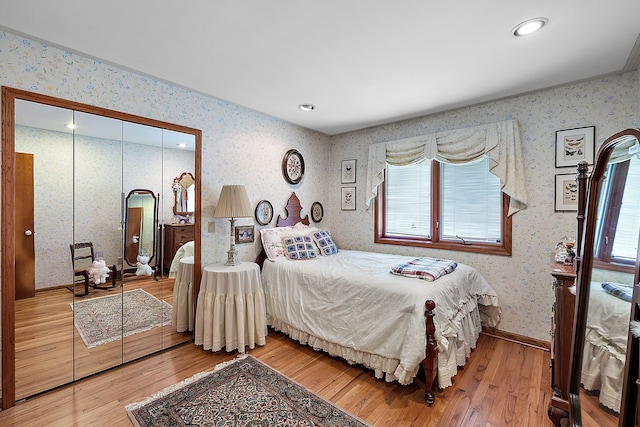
(520, 339)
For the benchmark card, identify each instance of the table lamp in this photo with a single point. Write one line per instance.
(233, 203)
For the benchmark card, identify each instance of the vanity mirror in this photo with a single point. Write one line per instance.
(603, 386)
(85, 182)
(184, 188)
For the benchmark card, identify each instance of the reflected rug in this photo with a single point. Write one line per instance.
(104, 319)
(241, 393)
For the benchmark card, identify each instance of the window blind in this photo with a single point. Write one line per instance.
(408, 200)
(471, 202)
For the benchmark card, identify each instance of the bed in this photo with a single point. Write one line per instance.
(606, 343)
(349, 305)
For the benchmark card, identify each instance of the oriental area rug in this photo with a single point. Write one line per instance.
(241, 393)
(104, 319)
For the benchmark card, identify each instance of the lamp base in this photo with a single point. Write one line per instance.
(232, 257)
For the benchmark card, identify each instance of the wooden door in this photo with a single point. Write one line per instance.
(24, 233)
(134, 227)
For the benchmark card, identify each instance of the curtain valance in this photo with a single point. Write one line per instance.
(499, 141)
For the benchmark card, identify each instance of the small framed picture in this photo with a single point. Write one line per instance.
(566, 193)
(348, 171)
(574, 146)
(244, 234)
(348, 198)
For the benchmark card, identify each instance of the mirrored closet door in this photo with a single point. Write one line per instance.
(89, 288)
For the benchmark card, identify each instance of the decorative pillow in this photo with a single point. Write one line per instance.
(272, 238)
(272, 241)
(325, 242)
(299, 247)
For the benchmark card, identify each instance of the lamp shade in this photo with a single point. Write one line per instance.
(233, 203)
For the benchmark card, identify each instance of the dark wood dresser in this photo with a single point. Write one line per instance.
(175, 235)
(564, 277)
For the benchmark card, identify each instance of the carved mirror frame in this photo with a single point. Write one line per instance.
(630, 391)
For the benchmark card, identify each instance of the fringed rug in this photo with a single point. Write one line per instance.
(241, 393)
(104, 319)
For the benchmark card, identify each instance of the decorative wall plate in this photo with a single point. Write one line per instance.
(264, 212)
(317, 212)
(293, 166)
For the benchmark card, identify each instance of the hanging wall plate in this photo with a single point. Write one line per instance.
(264, 212)
(293, 167)
(317, 212)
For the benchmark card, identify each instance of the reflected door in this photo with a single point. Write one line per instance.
(25, 248)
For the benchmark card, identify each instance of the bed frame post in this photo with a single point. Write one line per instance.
(430, 363)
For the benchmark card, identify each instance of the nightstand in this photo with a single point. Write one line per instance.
(230, 310)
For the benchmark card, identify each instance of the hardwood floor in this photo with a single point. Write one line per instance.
(47, 341)
(503, 384)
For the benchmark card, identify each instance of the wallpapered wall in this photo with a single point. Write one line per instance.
(240, 146)
(522, 281)
(243, 146)
(78, 199)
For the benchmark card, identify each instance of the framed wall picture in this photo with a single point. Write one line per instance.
(348, 171)
(244, 234)
(566, 195)
(348, 199)
(574, 146)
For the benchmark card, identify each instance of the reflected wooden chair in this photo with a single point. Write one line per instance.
(82, 257)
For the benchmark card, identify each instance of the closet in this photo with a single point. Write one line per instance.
(605, 357)
(102, 181)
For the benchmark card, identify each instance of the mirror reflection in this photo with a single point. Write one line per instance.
(184, 188)
(610, 277)
(105, 309)
(141, 232)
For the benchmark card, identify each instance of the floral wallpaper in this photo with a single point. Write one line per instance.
(522, 281)
(241, 146)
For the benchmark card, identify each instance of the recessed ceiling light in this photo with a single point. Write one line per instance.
(306, 107)
(70, 126)
(529, 26)
(182, 145)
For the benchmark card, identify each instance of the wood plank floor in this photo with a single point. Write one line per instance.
(503, 384)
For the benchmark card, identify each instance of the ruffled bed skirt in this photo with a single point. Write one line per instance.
(453, 352)
(602, 368)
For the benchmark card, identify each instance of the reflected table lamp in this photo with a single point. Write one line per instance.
(233, 203)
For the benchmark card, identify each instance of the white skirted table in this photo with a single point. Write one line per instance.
(182, 314)
(230, 311)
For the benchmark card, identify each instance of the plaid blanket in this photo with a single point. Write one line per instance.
(425, 268)
(617, 290)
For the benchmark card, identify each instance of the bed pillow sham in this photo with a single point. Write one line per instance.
(325, 243)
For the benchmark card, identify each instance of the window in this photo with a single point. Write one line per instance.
(618, 225)
(438, 205)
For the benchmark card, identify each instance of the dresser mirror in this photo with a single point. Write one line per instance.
(80, 187)
(184, 187)
(604, 366)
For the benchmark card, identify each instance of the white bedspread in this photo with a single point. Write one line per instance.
(351, 306)
(605, 345)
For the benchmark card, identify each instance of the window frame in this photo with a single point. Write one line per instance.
(504, 247)
(602, 258)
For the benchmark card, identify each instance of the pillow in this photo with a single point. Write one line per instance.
(299, 247)
(325, 243)
(272, 238)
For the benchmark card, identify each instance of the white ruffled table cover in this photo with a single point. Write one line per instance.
(230, 311)
(182, 314)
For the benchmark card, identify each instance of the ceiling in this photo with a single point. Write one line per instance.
(361, 63)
